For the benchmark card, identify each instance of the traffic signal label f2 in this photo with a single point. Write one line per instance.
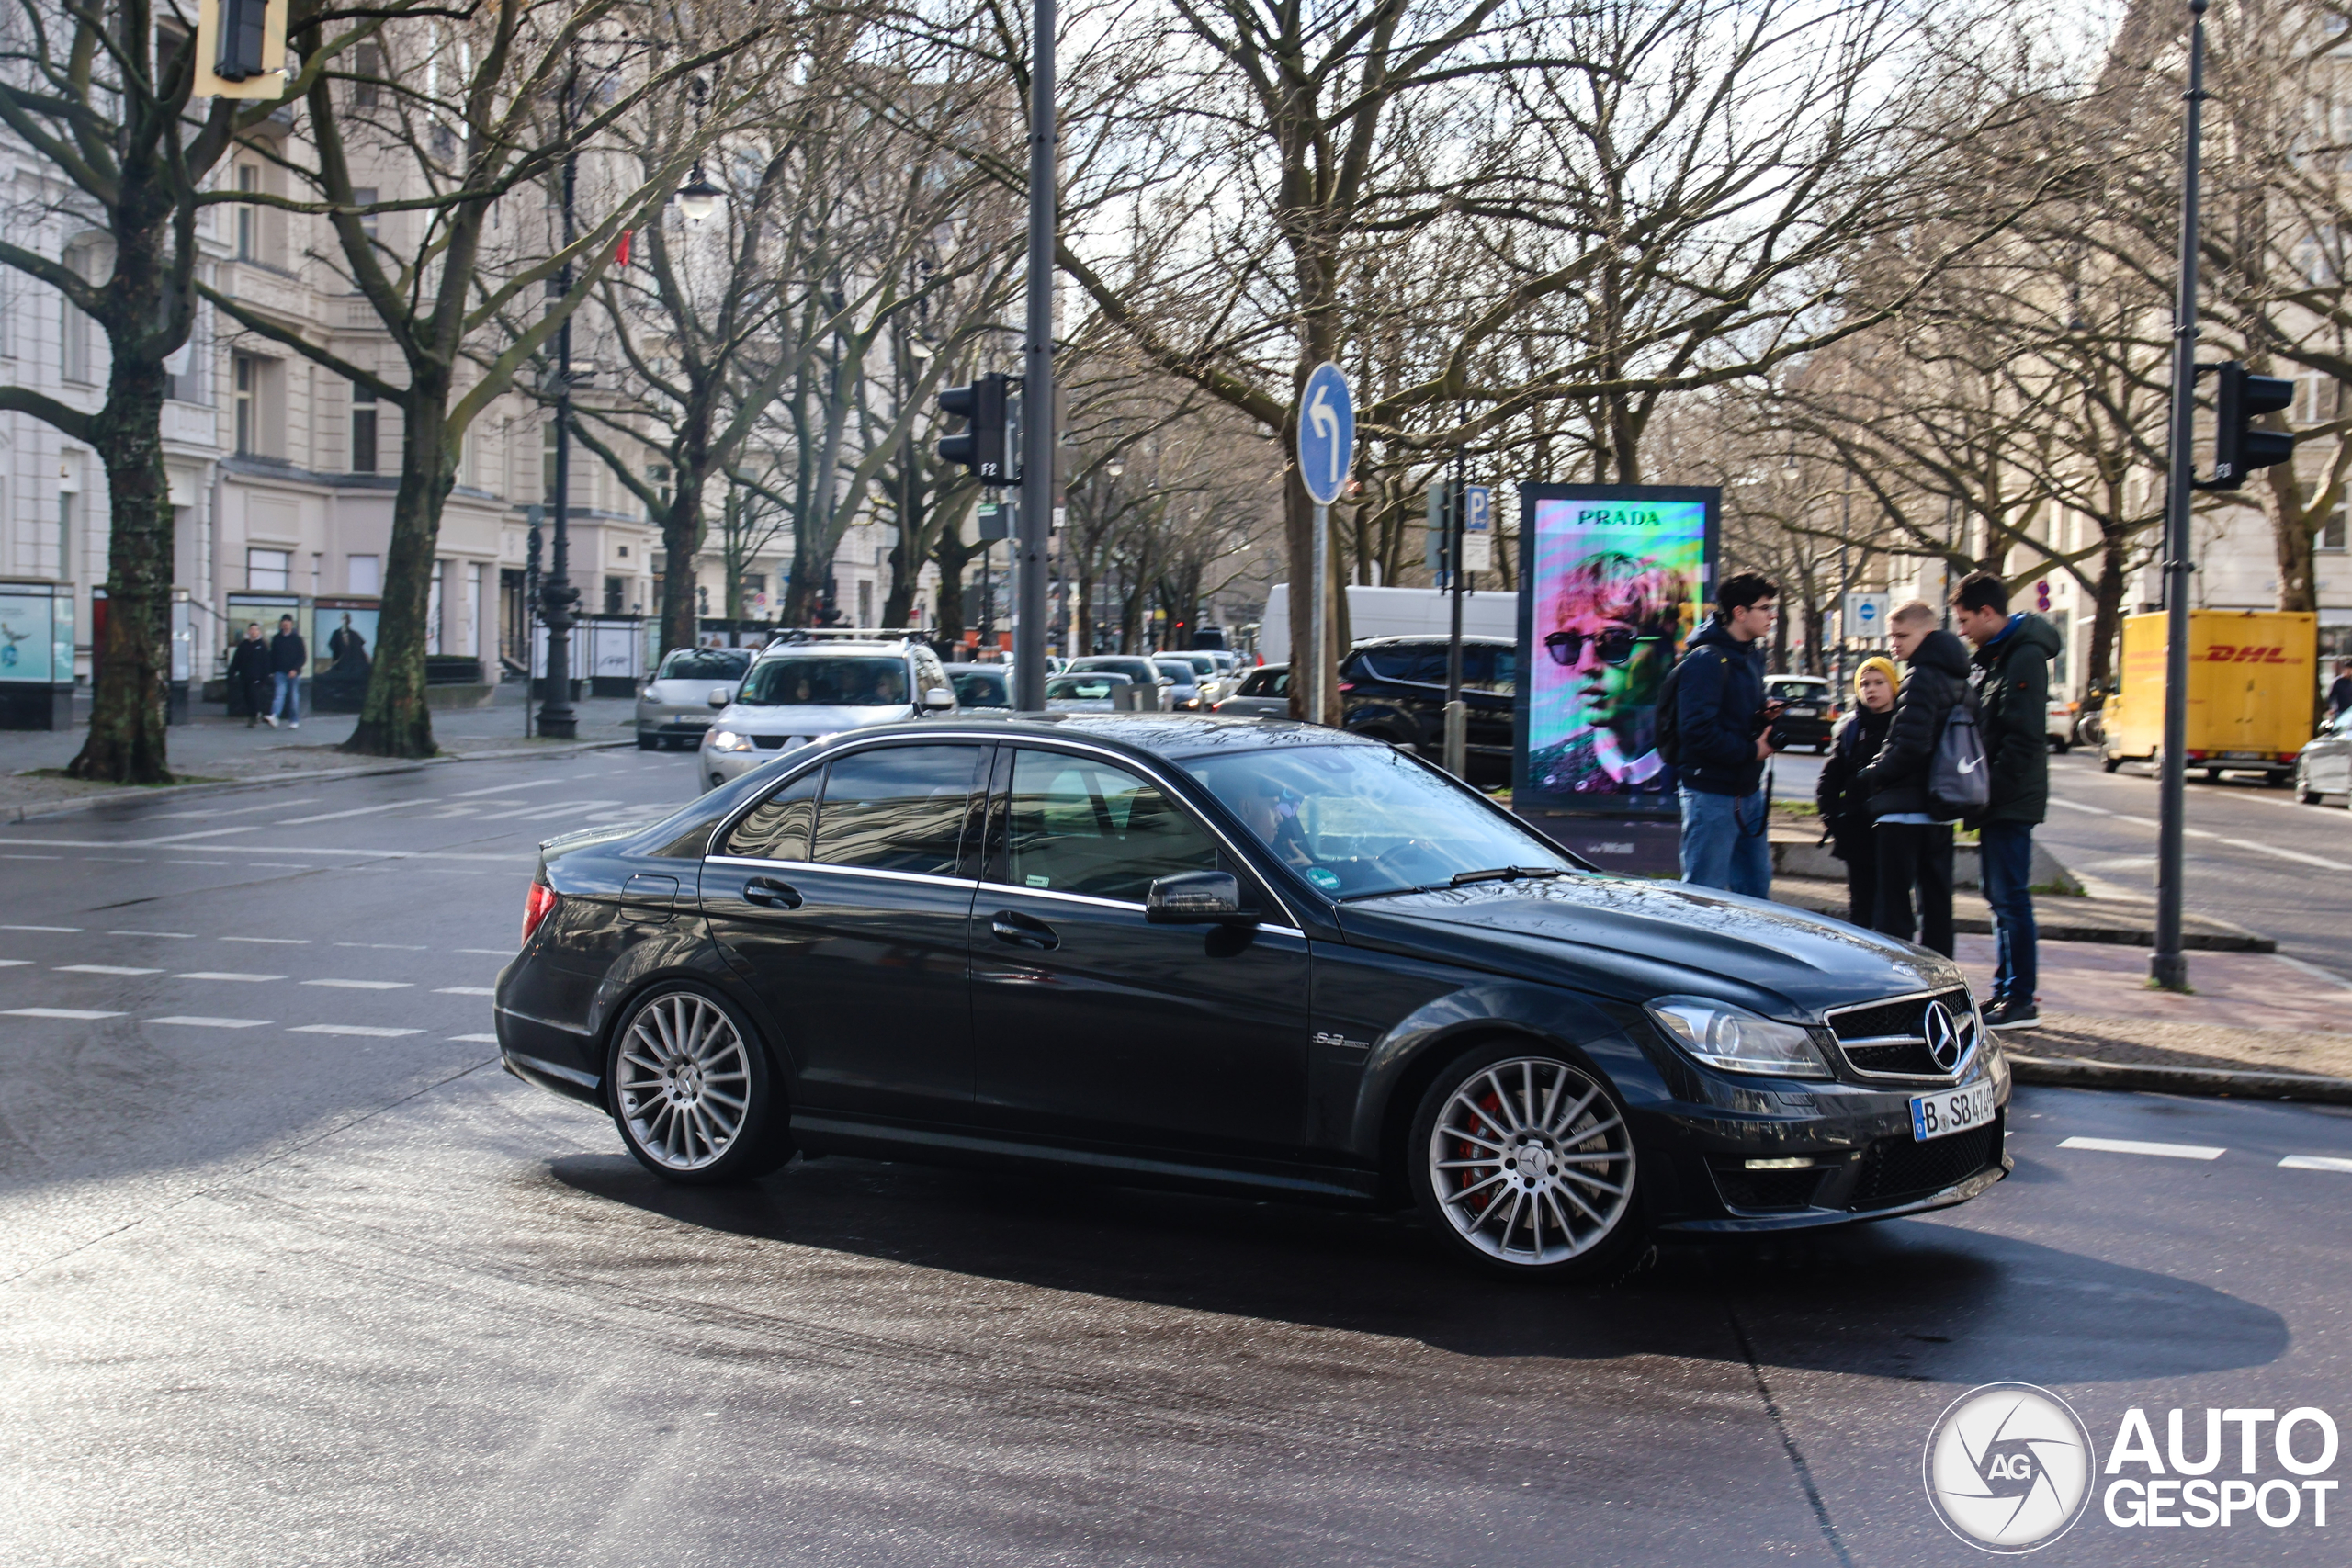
(990, 442)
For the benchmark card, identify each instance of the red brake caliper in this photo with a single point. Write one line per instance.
(1492, 1105)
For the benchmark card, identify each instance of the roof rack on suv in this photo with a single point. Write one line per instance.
(853, 634)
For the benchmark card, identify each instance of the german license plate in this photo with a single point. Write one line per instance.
(1955, 1111)
(1805, 713)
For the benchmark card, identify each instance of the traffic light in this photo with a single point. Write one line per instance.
(988, 444)
(1437, 553)
(238, 55)
(2239, 399)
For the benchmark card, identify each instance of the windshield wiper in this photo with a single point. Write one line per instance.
(1503, 874)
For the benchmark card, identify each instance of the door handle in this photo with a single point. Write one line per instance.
(768, 893)
(1023, 931)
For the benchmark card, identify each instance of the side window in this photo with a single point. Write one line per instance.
(1077, 826)
(898, 809)
(1421, 663)
(1503, 675)
(1279, 686)
(777, 828)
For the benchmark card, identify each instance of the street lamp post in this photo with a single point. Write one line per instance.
(557, 595)
(1037, 435)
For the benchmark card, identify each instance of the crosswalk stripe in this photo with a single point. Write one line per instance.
(2315, 1162)
(362, 984)
(475, 1039)
(361, 1029)
(57, 1012)
(193, 1022)
(2132, 1147)
(102, 969)
(464, 991)
(224, 974)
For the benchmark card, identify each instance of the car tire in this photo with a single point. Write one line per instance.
(694, 1090)
(2108, 761)
(1538, 1127)
(2305, 794)
(649, 743)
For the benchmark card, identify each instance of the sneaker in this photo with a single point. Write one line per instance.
(296, 724)
(270, 719)
(2017, 1013)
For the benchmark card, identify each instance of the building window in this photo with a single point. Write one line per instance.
(365, 195)
(866, 602)
(366, 61)
(363, 429)
(266, 569)
(657, 476)
(547, 462)
(365, 573)
(246, 385)
(612, 595)
(2331, 534)
(73, 338)
(248, 215)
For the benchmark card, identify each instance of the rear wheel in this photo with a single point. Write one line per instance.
(693, 1091)
(1522, 1161)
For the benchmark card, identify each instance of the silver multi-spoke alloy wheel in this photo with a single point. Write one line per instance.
(1530, 1162)
(682, 1079)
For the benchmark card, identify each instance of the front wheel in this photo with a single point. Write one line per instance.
(1522, 1161)
(694, 1094)
(649, 742)
(2305, 794)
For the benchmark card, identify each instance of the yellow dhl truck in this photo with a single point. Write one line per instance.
(2252, 676)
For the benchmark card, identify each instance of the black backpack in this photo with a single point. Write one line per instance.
(1669, 718)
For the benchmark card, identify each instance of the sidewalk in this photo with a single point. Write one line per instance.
(211, 748)
(2127, 922)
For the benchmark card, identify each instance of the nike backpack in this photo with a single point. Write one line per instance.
(1959, 781)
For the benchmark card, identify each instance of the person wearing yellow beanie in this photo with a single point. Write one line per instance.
(1845, 806)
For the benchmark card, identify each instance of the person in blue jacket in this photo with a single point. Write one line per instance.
(1721, 724)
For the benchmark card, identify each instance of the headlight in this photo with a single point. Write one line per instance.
(728, 740)
(1737, 1040)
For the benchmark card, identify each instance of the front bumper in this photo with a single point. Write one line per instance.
(725, 767)
(672, 726)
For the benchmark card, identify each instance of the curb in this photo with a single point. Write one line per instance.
(2219, 935)
(2076, 1072)
(230, 786)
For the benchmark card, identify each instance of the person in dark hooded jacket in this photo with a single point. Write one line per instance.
(1843, 803)
(1914, 848)
(2013, 656)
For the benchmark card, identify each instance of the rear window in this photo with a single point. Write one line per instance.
(1796, 691)
(1272, 682)
(1087, 688)
(704, 664)
(980, 689)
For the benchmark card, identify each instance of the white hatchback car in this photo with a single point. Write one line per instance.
(675, 706)
(801, 691)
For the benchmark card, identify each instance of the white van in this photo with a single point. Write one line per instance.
(1396, 612)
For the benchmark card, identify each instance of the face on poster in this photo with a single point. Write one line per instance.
(1616, 585)
(343, 641)
(24, 637)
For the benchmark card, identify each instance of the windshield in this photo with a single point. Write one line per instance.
(1365, 820)
(705, 664)
(815, 681)
(1133, 669)
(1202, 663)
(980, 688)
(1176, 669)
(1088, 688)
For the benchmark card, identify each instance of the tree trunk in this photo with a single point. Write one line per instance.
(2106, 616)
(393, 718)
(682, 540)
(126, 743)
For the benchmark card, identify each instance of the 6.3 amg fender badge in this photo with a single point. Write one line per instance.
(2008, 1467)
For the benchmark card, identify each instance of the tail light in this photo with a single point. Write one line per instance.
(536, 907)
(1347, 685)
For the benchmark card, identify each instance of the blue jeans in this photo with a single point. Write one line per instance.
(2006, 858)
(286, 703)
(1726, 841)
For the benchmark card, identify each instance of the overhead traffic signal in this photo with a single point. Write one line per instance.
(2239, 399)
(990, 442)
(238, 55)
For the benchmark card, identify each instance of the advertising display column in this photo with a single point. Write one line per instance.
(1612, 580)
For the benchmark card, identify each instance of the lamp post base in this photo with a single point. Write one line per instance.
(2168, 970)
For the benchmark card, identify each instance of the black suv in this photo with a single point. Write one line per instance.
(1393, 689)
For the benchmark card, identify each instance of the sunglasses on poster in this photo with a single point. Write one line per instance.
(1612, 646)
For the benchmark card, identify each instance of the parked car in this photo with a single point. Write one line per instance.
(1264, 692)
(804, 691)
(2324, 766)
(1096, 691)
(1807, 720)
(676, 705)
(1205, 674)
(1134, 666)
(1184, 683)
(1393, 689)
(2059, 725)
(982, 688)
(1085, 946)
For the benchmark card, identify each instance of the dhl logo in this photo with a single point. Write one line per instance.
(2226, 653)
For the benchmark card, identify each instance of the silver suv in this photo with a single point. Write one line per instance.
(801, 691)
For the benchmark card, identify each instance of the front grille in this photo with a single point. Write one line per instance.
(1898, 1170)
(1889, 1039)
(773, 742)
(1758, 1189)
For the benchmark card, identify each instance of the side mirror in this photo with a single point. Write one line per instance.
(720, 696)
(1197, 898)
(938, 699)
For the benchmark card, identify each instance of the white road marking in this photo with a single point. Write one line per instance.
(193, 1022)
(2132, 1147)
(14, 962)
(67, 929)
(273, 940)
(177, 936)
(240, 811)
(498, 789)
(57, 1012)
(2313, 970)
(113, 860)
(476, 1039)
(511, 858)
(362, 984)
(464, 991)
(392, 947)
(2078, 806)
(487, 952)
(339, 816)
(102, 969)
(359, 1029)
(198, 862)
(2320, 861)
(31, 857)
(224, 974)
(2315, 1162)
(169, 838)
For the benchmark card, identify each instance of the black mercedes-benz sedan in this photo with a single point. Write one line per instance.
(1242, 954)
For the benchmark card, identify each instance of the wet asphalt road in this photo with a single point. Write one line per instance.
(294, 1274)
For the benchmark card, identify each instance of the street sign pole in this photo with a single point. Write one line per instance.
(1327, 441)
(1456, 719)
(2169, 966)
(1037, 499)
